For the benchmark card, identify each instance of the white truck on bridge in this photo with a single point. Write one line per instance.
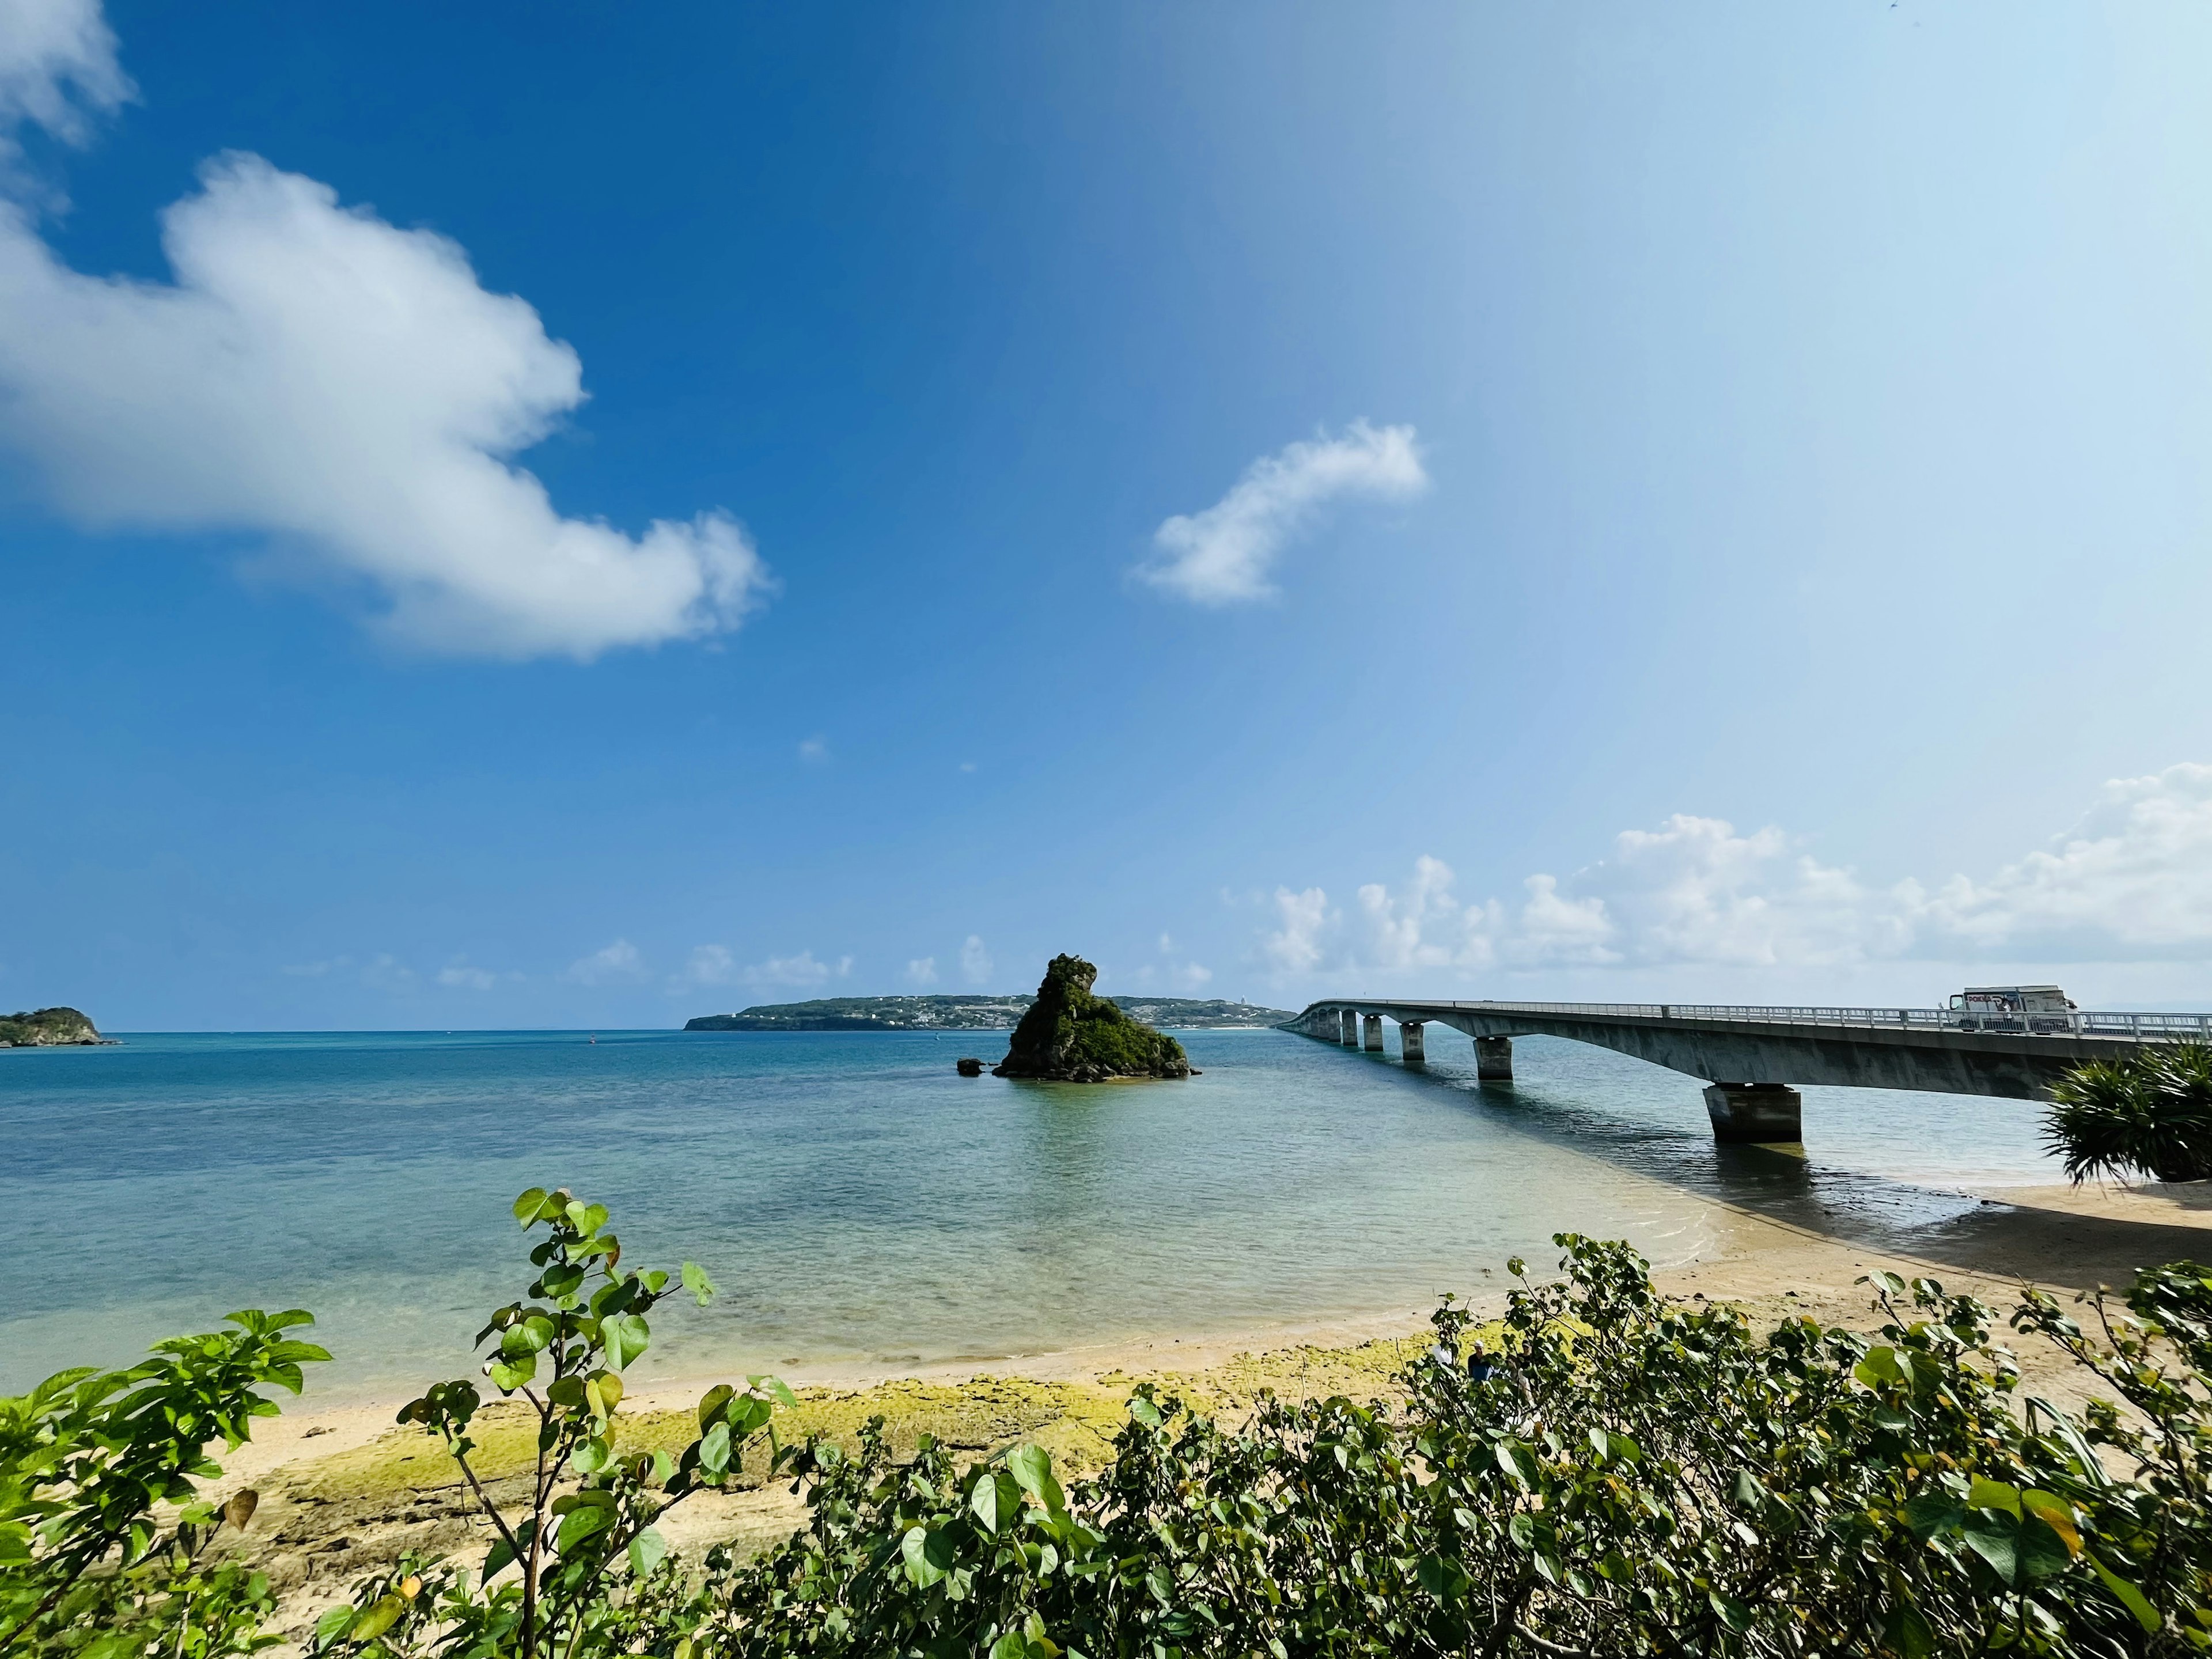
(2042, 1009)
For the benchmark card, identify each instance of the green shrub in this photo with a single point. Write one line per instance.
(2150, 1114)
(90, 1563)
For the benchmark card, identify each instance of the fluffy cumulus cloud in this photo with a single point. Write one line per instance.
(975, 963)
(1223, 555)
(2131, 882)
(459, 974)
(922, 970)
(346, 390)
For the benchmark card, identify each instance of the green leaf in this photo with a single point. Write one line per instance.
(1935, 1512)
(527, 1206)
(697, 1282)
(915, 1548)
(591, 1457)
(1011, 1645)
(624, 1337)
(333, 1624)
(1909, 1632)
(1442, 1578)
(711, 1406)
(1996, 1539)
(2131, 1598)
(1032, 1468)
(983, 1500)
(715, 1449)
(498, 1557)
(379, 1619)
(1994, 1495)
(579, 1525)
(1144, 1411)
(1732, 1613)
(646, 1551)
(1518, 1464)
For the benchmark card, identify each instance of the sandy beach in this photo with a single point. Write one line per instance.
(344, 1491)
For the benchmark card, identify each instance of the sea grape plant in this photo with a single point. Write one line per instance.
(584, 1522)
(103, 1523)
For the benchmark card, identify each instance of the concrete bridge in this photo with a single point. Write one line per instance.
(1753, 1059)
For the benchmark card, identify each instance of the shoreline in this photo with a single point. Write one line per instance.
(2058, 1238)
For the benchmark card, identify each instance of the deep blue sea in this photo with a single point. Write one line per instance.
(857, 1201)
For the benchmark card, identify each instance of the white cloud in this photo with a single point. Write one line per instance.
(1223, 555)
(801, 970)
(922, 970)
(619, 961)
(58, 68)
(315, 969)
(2133, 879)
(459, 974)
(814, 750)
(341, 387)
(1189, 976)
(1295, 947)
(2132, 883)
(975, 965)
(707, 964)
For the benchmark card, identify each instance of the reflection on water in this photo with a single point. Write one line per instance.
(856, 1200)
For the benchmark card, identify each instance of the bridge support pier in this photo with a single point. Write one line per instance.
(1755, 1113)
(1373, 1034)
(1410, 1045)
(1347, 1027)
(1494, 1059)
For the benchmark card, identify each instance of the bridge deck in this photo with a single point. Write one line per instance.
(1917, 1048)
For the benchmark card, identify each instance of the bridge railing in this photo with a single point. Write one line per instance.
(2079, 1022)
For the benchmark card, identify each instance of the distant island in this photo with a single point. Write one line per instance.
(47, 1028)
(1069, 1036)
(973, 1013)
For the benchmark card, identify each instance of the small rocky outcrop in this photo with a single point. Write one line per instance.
(1069, 1036)
(968, 1066)
(46, 1028)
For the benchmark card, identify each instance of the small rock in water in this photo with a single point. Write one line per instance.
(969, 1066)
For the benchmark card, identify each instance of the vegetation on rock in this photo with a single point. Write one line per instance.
(1069, 1035)
(2150, 1114)
(46, 1027)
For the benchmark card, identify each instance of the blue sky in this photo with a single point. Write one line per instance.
(558, 515)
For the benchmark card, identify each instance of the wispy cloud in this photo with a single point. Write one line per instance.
(459, 974)
(922, 970)
(1223, 555)
(2131, 882)
(815, 750)
(607, 965)
(344, 386)
(58, 71)
(801, 971)
(975, 965)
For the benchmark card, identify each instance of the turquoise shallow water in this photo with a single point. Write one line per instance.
(858, 1201)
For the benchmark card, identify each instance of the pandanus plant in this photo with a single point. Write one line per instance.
(2149, 1114)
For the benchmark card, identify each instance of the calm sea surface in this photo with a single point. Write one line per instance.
(858, 1201)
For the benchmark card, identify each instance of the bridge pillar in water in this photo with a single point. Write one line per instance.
(1347, 1027)
(1373, 1034)
(1409, 1043)
(1494, 1059)
(1755, 1113)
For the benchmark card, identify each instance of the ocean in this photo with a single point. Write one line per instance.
(858, 1203)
